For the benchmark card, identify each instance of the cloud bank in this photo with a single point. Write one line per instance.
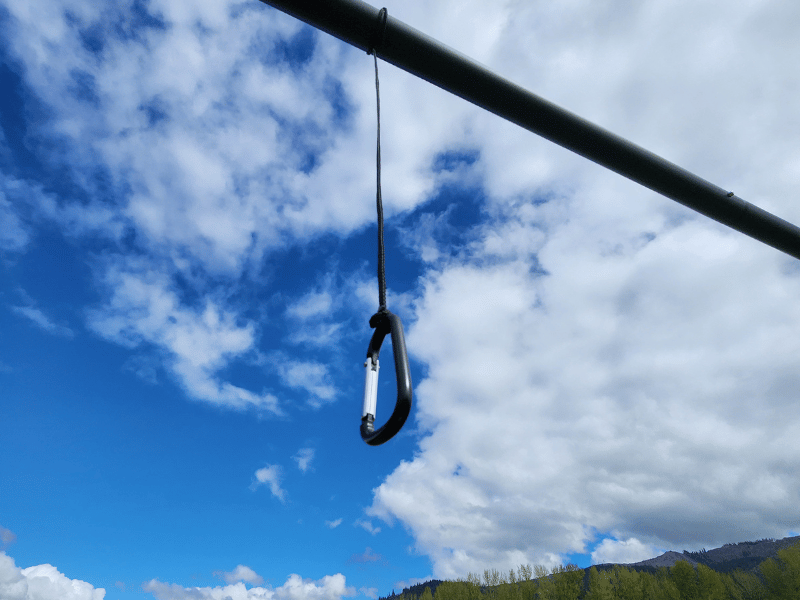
(330, 587)
(601, 363)
(42, 582)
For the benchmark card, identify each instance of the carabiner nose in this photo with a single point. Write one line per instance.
(385, 323)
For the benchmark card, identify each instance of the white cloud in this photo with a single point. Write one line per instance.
(312, 377)
(313, 304)
(42, 582)
(42, 321)
(315, 318)
(14, 235)
(240, 573)
(211, 157)
(333, 524)
(367, 526)
(303, 459)
(330, 587)
(622, 551)
(271, 476)
(200, 132)
(600, 359)
(369, 592)
(236, 591)
(579, 401)
(143, 307)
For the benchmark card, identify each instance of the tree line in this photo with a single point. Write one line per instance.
(774, 579)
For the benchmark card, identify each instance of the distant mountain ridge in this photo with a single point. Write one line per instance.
(745, 556)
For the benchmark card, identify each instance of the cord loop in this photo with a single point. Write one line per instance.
(376, 40)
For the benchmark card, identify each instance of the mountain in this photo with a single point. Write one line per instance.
(667, 559)
(744, 556)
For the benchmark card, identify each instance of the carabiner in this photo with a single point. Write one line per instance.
(385, 322)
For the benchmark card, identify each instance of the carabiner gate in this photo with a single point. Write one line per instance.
(385, 322)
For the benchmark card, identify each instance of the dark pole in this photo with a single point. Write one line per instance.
(355, 22)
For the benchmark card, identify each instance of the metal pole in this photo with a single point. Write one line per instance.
(355, 22)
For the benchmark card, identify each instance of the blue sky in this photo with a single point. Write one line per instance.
(188, 267)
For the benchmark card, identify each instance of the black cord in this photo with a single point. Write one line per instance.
(379, 201)
(375, 43)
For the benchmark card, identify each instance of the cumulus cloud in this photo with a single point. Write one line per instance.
(211, 154)
(240, 573)
(333, 524)
(42, 582)
(600, 359)
(211, 144)
(271, 476)
(330, 587)
(303, 458)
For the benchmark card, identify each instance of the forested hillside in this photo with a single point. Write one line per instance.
(775, 578)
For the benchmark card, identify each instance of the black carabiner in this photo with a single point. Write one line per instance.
(385, 322)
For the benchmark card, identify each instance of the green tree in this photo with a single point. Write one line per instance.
(426, 594)
(685, 578)
(514, 586)
(659, 586)
(782, 576)
(626, 583)
(733, 591)
(567, 582)
(525, 573)
(599, 585)
(709, 584)
(749, 585)
(454, 590)
(473, 588)
(526, 584)
(545, 589)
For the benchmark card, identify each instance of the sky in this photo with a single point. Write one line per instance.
(187, 270)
